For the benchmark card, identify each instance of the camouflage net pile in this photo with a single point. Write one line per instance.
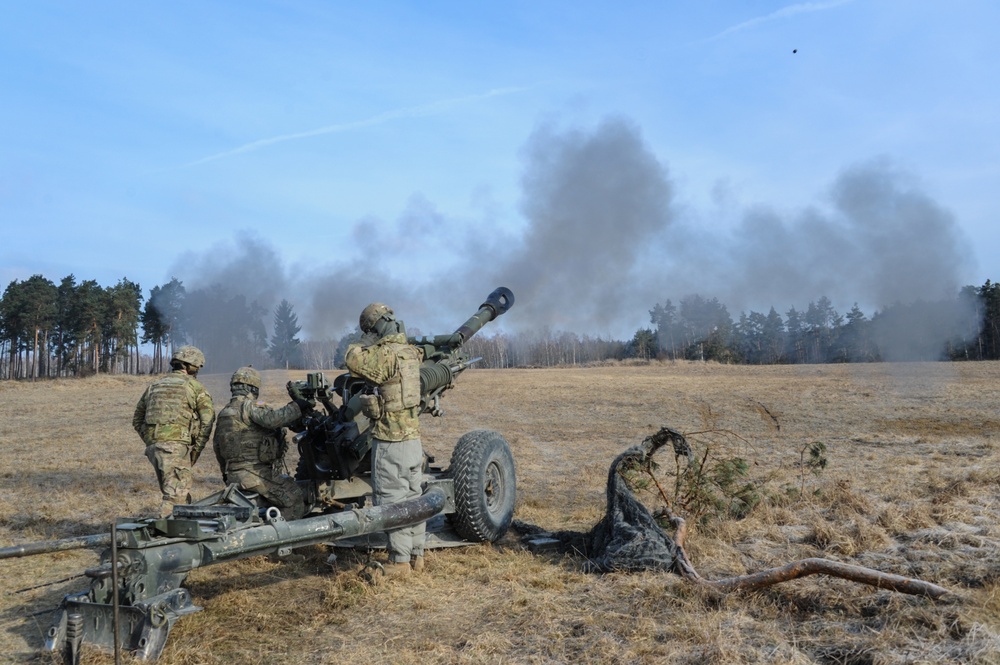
(628, 538)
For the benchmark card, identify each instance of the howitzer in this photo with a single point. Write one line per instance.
(135, 594)
(443, 359)
(335, 447)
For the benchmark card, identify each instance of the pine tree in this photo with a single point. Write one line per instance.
(88, 313)
(855, 339)
(120, 325)
(153, 329)
(774, 338)
(168, 300)
(63, 333)
(664, 318)
(643, 344)
(795, 340)
(39, 318)
(284, 349)
(12, 318)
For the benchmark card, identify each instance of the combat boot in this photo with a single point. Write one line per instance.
(417, 564)
(166, 509)
(396, 570)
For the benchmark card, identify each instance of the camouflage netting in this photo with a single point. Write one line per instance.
(628, 538)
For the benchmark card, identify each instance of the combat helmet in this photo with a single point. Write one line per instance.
(246, 375)
(372, 314)
(190, 355)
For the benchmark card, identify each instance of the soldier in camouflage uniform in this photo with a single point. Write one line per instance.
(392, 366)
(174, 417)
(250, 445)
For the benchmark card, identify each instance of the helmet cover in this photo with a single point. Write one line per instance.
(371, 314)
(246, 375)
(191, 355)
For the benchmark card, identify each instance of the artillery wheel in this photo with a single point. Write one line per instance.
(302, 470)
(485, 486)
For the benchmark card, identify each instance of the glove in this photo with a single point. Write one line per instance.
(307, 405)
(294, 391)
(195, 454)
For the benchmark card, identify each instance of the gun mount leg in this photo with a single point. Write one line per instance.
(482, 467)
(143, 627)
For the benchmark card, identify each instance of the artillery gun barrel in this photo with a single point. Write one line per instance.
(497, 303)
(443, 359)
(61, 545)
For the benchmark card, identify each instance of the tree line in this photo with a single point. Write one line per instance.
(81, 328)
(69, 329)
(966, 327)
(78, 329)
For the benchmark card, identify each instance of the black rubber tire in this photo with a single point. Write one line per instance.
(302, 470)
(482, 468)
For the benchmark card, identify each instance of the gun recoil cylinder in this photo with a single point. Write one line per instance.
(435, 376)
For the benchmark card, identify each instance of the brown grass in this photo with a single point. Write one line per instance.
(912, 487)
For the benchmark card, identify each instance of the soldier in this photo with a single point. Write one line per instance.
(392, 366)
(174, 417)
(250, 444)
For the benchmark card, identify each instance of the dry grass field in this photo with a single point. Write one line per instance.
(912, 486)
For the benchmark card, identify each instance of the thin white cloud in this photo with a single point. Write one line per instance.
(409, 112)
(784, 12)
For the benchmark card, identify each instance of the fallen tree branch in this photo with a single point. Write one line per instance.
(798, 569)
(847, 571)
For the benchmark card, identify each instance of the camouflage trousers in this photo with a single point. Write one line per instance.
(397, 473)
(279, 490)
(172, 462)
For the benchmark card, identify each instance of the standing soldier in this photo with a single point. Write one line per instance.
(174, 417)
(249, 443)
(392, 367)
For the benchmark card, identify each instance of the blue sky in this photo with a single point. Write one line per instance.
(334, 153)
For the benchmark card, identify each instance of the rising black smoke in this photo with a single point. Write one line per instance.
(594, 202)
(879, 241)
(603, 241)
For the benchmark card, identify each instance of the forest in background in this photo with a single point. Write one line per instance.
(80, 328)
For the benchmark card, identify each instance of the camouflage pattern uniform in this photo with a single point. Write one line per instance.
(174, 417)
(397, 456)
(249, 444)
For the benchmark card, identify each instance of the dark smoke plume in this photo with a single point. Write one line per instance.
(882, 241)
(594, 201)
(248, 266)
(603, 243)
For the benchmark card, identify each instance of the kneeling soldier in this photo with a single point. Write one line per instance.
(250, 445)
